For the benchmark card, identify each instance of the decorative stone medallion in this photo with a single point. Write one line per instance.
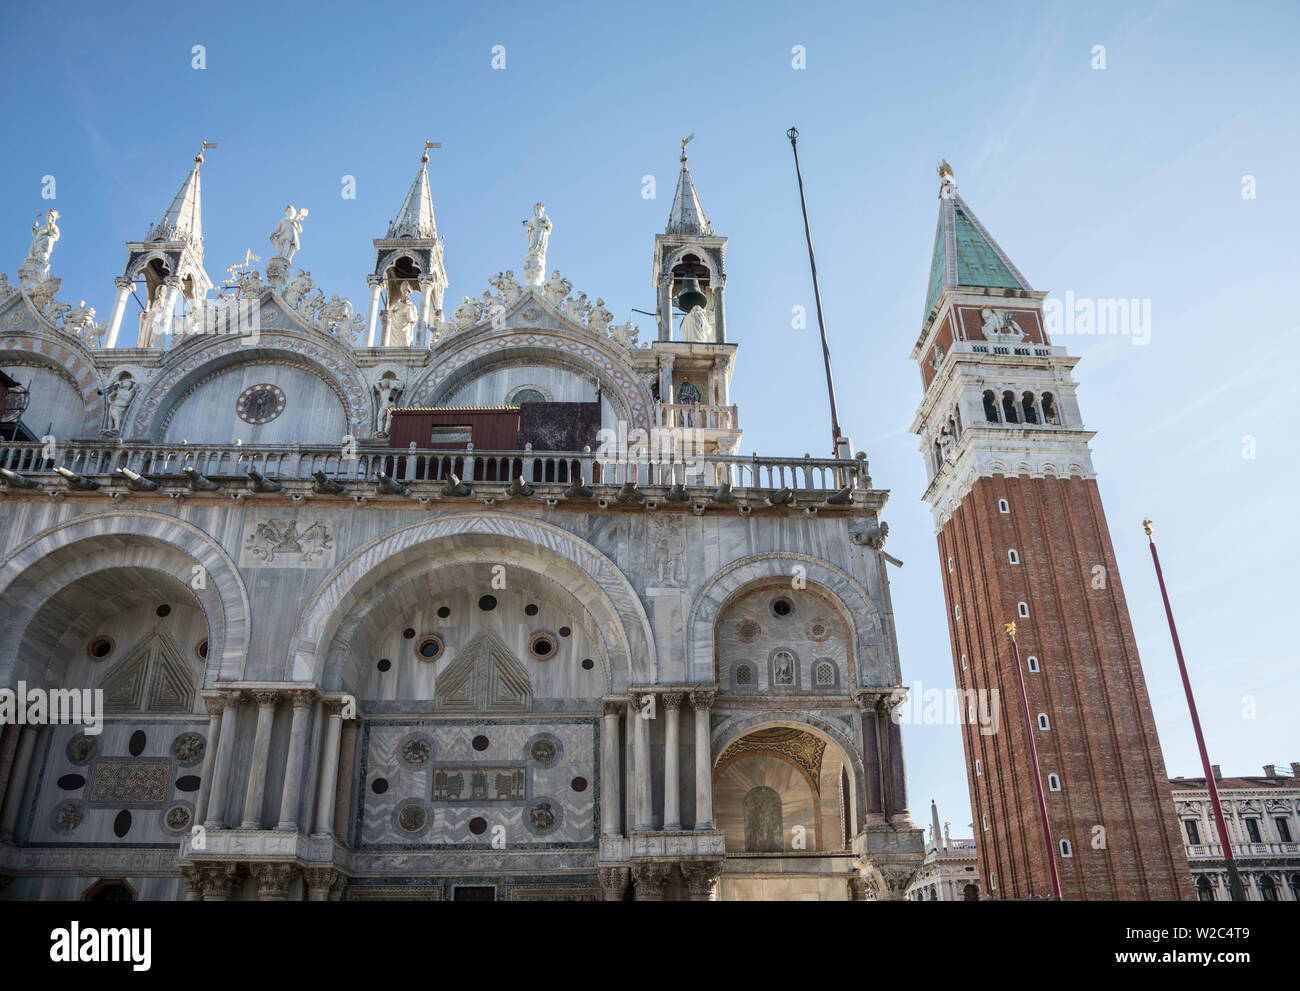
(82, 749)
(416, 751)
(543, 751)
(178, 818)
(69, 816)
(188, 748)
(544, 748)
(260, 403)
(412, 818)
(129, 782)
(747, 631)
(543, 816)
(818, 630)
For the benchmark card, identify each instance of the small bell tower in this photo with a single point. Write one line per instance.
(408, 260)
(689, 270)
(169, 261)
(693, 360)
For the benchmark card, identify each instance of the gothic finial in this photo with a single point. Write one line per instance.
(427, 145)
(944, 169)
(685, 141)
(205, 146)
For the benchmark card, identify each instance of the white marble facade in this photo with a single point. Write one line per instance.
(352, 676)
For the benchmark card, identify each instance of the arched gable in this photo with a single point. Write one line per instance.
(70, 358)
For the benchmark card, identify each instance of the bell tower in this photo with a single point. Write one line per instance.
(693, 359)
(408, 261)
(169, 261)
(1023, 538)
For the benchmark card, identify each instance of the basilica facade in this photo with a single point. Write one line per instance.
(426, 599)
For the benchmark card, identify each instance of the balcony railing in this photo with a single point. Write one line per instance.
(645, 467)
(1239, 849)
(697, 415)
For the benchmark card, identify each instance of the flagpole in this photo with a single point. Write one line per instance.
(1234, 879)
(793, 135)
(1033, 760)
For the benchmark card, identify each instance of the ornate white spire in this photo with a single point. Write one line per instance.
(415, 219)
(183, 220)
(687, 216)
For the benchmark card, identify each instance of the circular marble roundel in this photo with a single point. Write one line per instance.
(260, 403)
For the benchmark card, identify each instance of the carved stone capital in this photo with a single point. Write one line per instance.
(333, 707)
(702, 700)
(266, 700)
(375, 281)
(671, 700)
(302, 698)
(613, 880)
(861, 889)
(613, 707)
(700, 877)
(217, 880)
(273, 880)
(319, 881)
(122, 282)
(215, 705)
(651, 877)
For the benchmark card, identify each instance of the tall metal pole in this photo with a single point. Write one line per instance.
(1234, 879)
(1033, 760)
(793, 135)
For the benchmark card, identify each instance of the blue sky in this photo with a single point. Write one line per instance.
(1120, 182)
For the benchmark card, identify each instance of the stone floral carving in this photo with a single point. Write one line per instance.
(82, 749)
(70, 816)
(177, 817)
(416, 751)
(275, 539)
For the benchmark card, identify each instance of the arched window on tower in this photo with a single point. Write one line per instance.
(1027, 405)
(1267, 889)
(1050, 415)
(990, 406)
(1009, 407)
(1204, 889)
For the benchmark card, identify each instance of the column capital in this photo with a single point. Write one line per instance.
(651, 878)
(613, 880)
(700, 877)
(613, 707)
(301, 698)
(215, 704)
(273, 879)
(333, 706)
(375, 281)
(217, 879)
(671, 700)
(266, 699)
(122, 282)
(702, 701)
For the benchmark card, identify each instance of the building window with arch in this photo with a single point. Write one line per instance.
(785, 669)
(949, 565)
(744, 676)
(1053, 783)
(991, 407)
(1066, 849)
(1004, 506)
(1013, 556)
(1022, 610)
(979, 768)
(1009, 407)
(1267, 889)
(963, 662)
(824, 674)
(1204, 889)
(1295, 887)
(1050, 416)
(1028, 408)
(985, 820)
(526, 394)
(1043, 721)
(1032, 663)
(993, 881)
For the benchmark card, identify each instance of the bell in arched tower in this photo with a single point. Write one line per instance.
(408, 261)
(688, 269)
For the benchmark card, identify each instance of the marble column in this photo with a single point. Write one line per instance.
(426, 309)
(293, 772)
(611, 814)
(119, 310)
(256, 791)
(375, 283)
(639, 714)
(329, 769)
(872, 800)
(702, 702)
(883, 741)
(671, 702)
(17, 782)
(221, 769)
(347, 764)
(898, 811)
(172, 287)
(215, 707)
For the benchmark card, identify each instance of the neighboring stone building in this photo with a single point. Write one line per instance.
(950, 871)
(1263, 818)
(1023, 538)
(340, 665)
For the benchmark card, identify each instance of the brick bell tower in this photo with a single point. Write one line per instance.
(1023, 538)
